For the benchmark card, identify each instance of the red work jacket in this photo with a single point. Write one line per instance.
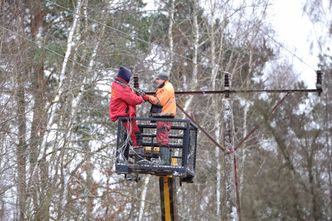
(123, 100)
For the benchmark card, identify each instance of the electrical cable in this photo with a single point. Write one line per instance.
(202, 129)
(274, 108)
(137, 38)
(186, 58)
(122, 32)
(292, 53)
(46, 48)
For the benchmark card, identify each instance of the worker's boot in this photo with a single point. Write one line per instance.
(165, 155)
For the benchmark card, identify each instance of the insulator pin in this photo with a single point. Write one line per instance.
(226, 80)
(319, 81)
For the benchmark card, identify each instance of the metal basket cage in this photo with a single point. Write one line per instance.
(182, 142)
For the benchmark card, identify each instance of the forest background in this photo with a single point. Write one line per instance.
(57, 144)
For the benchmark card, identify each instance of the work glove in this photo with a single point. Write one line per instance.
(145, 97)
(141, 92)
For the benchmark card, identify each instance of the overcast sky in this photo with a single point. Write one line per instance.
(296, 32)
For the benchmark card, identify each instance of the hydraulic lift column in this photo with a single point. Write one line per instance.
(167, 198)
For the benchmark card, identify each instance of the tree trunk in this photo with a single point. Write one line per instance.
(21, 147)
(143, 198)
(38, 172)
(194, 79)
(217, 128)
(55, 104)
(21, 121)
(170, 37)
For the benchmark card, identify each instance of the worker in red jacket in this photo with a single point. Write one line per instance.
(123, 103)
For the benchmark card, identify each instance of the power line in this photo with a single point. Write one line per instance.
(292, 53)
(126, 34)
(285, 48)
(121, 32)
(186, 58)
(137, 38)
(36, 44)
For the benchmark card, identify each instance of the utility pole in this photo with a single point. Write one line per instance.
(232, 204)
(231, 210)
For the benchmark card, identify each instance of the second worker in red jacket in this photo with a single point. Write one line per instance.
(123, 103)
